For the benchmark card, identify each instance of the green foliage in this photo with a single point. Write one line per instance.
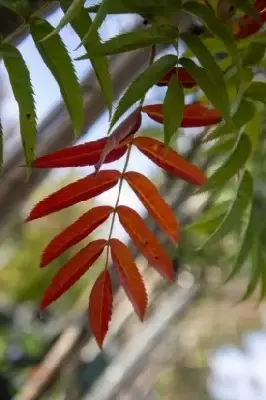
(55, 56)
(173, 109)
(228, 83)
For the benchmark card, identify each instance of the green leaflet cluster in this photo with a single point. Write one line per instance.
(226, 83)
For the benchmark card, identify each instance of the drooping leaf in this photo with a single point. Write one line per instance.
(145, 241)
(244, 113)
(195, 115)
(235, 212)
(202, 79)
(256, 91)
(222, 146)
(75, 232)
(100, 306)
(253, 54)
(125, 130)
(134, 40)
(245, 241)
(80, 155)
(129, 276)
(69, 14)
(72, 271)
(173, 108)
(57, 59)
(233, 163)
(19, 78)
(210, 219)
(81, 190)
(170, 160)
(256, 266)
(80, 23)
(253, 127)
(216, 27)
(97, 22)
(205, 57)
(142, 84)
(183, 76)
(155, 204)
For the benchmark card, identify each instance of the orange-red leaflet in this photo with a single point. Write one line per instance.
(145, 241)
(170, 160)
(247, 25)
(72, 271)
(81, 190)
(79, 156)
(184, 77)
(260, 5)
(129, 276)
(75, 232)
(155, 204)
(195, 115)
(100, 306)
(124, 131)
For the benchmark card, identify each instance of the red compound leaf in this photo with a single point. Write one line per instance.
(145, 241)
(247, 25)
(124, 131)
(195, 115)
(79, 156)
(75, 232)
(72, 271)
(155, 204)
(129, 276)
(100, 306)
(260, 5)
(170, 160)
(184, 77)
(81, 190)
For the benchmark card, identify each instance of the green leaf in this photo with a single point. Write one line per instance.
(23, 8)
(263, 278)
(245, 242)
(173, 108)
(142, 84)
(72, 11)
(147, 7)
(19, 78)
(256, 91)
(235, 212)
(253, 54)
(216, 27)
(206, 58)
(97, 22)
(256, 266)
(254, 127)
(221, 146)
(57, 59)
(134, 40)
(234, 162)
(244, 113)
(211, 218)
(80, 24)
(219, 100)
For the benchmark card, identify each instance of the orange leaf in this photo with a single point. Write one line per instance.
(195, 115)
(260, 5)
(81, 190)
(129, 276)
(184, 77)
(170, 160)
(72, 271)
(75, 232)
(100, 306)
(127, 128)
(79, 156)
(155, 204)
(145, 241)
